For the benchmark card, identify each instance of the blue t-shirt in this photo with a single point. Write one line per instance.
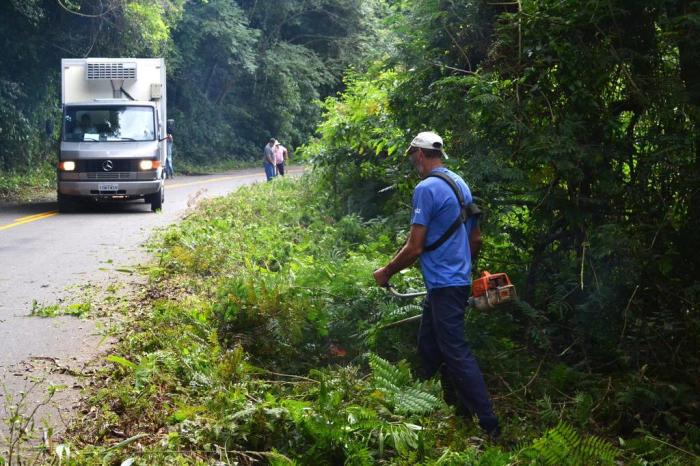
(436, 207)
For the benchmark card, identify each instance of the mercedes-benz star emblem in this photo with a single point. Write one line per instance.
(107, 165)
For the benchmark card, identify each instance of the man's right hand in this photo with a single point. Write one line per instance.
(381, 276)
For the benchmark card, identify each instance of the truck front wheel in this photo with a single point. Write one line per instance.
(65, 203)
(156, 199)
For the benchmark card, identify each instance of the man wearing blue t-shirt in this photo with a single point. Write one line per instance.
(447, 274)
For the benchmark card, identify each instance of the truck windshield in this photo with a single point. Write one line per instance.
(109, 123)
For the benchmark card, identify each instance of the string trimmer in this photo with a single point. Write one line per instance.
(488, 292)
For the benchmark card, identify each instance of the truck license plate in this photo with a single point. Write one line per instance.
(107, 187)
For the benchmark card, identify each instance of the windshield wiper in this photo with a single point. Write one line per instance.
(91, 139)
(123, 138)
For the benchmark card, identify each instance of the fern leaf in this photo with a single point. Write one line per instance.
(594, 449)
(414, 401)
(562, 445)
(403, 311)
(386, 375)
(386, 384)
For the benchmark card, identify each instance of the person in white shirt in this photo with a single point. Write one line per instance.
(281, 156)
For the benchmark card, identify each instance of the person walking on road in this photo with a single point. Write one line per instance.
(269, 159)
(169, 172)
(446, 261)
(280, 157)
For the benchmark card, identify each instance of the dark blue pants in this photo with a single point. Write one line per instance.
(442, 347)
(269, 170)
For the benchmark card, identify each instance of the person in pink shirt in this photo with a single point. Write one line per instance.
(281, 156)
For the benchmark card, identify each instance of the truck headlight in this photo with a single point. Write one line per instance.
(149, 164)
(67, 166)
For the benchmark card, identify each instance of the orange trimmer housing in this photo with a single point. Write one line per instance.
(491, 290)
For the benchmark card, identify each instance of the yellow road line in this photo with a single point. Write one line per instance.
(210, 180)
(29, 219)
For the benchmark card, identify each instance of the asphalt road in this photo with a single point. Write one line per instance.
(44, 253)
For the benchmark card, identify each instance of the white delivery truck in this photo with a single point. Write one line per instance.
(113, 138)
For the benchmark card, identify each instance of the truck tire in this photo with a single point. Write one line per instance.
(65, 203)
(156, 199)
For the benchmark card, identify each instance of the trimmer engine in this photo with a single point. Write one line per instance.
(491, 290)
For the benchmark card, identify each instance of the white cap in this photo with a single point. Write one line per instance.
(428, 140)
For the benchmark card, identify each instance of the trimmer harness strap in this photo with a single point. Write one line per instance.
(466, 211)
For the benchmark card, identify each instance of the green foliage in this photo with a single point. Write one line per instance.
(562, 445)
(149, 23)
(26, 186)
(81, 309)
(575, 123)
(247, 354)
(221, 355)
(245, 73)
(20, 433)
(357, 134)
(394, 383)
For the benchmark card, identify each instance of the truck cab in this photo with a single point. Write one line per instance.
(113, 131)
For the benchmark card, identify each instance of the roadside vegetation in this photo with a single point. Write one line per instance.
(261, 340)
(28, 185)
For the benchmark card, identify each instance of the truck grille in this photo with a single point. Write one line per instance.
(98, 165)
(111, 176)
(111, 70)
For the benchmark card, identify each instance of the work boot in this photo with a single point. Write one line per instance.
(494, 435)
(491, 427)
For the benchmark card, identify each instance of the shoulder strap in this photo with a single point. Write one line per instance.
(448, 179)
(466, 211)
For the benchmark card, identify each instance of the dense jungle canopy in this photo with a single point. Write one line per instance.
(575, 123)
(239, 72)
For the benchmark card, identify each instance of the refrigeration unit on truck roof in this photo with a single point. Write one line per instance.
(88, 79)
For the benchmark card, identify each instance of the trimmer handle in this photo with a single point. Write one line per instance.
(392, 289)
(394, 292)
